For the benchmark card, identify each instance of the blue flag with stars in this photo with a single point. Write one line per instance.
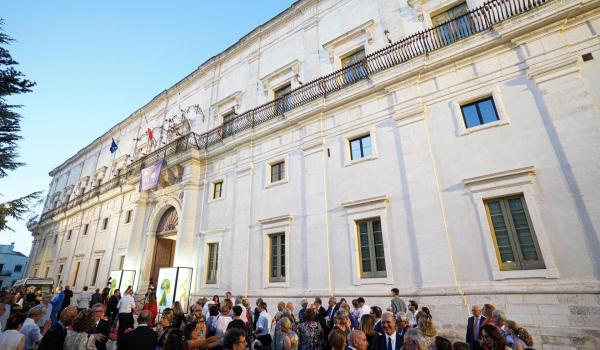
(113, 146)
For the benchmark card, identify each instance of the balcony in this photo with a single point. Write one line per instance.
(445, 34)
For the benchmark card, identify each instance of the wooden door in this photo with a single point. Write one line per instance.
(164, 252)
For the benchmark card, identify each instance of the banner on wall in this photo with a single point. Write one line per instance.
(174, 284)
(150, 176)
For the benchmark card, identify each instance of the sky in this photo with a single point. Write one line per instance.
(96, 62)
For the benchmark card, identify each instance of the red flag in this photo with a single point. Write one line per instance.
(150, 134)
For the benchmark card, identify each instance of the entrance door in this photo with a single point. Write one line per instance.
(164, 251)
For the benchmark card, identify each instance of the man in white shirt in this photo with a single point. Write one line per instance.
(5, 308)
(45, 304)
(126, 308)
(30, 329)
(262, 326)
(83, 299)
(413, 311)
(364, 308)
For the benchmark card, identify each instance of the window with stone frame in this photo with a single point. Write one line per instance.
(105, 223)
(277, 171)
(217, 189)
(371, 250)
(513, 234)
(95, 271)
(479, 112)
(361, 147)
(212, 263)
(85, 229)
(452, 24)
(128, 216)
(277, 257)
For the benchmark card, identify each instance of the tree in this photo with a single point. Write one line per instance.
(12, 82)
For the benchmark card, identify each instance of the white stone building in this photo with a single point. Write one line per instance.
(459, 164)
(12, 265)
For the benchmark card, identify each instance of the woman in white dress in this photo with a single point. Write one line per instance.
(79, 339)
(11, 338)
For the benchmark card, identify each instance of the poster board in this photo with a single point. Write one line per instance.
(120, 279)
(174, 284)
(182, 290)
(115, 281)
(127, 279)
(165, 288)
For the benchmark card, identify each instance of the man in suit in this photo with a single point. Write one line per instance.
(376, 313)
(390, 339)
(357, 340)
(55, 337)
(101, 328)
(402, 323)
(141, 338)
(67, 299)
(331, 309)
(474, 327)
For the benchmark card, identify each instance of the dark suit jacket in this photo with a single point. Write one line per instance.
(380, 342)
(378, 328)
(54, 338)
(473, 343)
(141, 338)
(103, 328)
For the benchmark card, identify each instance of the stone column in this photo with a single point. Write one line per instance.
(135, 247)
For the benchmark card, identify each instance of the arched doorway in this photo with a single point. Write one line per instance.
(164, 248)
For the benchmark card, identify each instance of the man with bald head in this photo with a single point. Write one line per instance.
(357, 340)
(390, 339)
(474, 326)
(55, 337)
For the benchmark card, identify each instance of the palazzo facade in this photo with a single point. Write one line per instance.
(344, 148)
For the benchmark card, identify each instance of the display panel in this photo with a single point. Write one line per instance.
(165, 288)
(182, 292)
(115, 280)
(127, 279)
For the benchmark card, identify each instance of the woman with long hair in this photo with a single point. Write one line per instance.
(425, 325)
(521, 337)
(178, 315)
(164, 325)
(487, 311)
(337, 340)
(152, 306)
(367, 326)
(105, 293)
(492, 339)
(310, 333)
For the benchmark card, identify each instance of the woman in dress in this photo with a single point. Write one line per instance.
(152, 306)
(79, 339)
(367, 325)
(310, 333)
(11, 338)
(521, 337)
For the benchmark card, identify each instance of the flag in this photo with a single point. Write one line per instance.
(150, 134)
(113, 146)
(150, 176)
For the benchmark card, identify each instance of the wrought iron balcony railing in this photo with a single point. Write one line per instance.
(429, 40)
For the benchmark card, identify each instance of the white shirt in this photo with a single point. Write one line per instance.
(264, 322)
(32, 333)
(364, 310)
(83, 299)
(10, 339)
(46, 316)
(222, 323)
(387, 339)
(412, 318)
(126, 305)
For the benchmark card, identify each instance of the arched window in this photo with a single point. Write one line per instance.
(168, 222)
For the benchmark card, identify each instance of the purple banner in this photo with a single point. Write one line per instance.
(150, 176)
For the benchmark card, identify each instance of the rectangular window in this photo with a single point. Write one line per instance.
(55, 238)
(213, 261)
(371, 253)
(76, 273)
(217, 189)
(128, 216)
(47, 272)
(354, 66)
(105, 223)
(361, 147)
(452, 24)
(277, 258)
(18, 268)
(85, 229)
(284, 101)
(121, 262)
(479, 112)
(69, 234)
(59, 274)
(278, 171)
(514, 237)
(95, 274)
(228, 123)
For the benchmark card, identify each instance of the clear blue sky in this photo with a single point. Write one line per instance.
(95, 62)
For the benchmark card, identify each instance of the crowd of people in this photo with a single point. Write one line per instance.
(102, 321)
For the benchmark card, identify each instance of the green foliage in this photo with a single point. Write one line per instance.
(12, 82)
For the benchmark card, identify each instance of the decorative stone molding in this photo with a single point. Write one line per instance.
(365, 30)
(501, 179)
(552, 70)
(418, 7)
(232, 101)
(289, 72)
